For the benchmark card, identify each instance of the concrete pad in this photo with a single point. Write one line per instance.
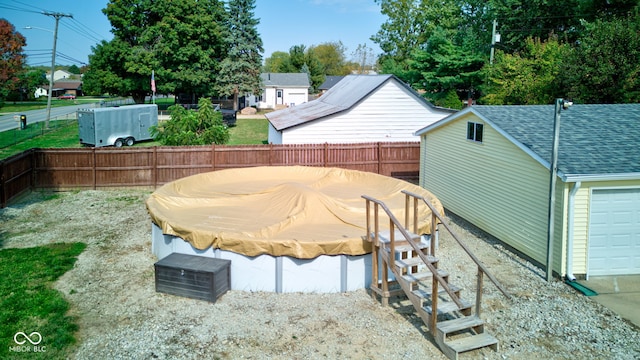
(618, 293)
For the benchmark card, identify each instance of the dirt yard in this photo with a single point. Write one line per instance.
(111, 291)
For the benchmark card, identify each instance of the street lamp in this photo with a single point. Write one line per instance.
(561, 104)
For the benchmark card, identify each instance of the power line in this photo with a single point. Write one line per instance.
(67, 57)
(91, 34)
(29, 5)
(15, 8)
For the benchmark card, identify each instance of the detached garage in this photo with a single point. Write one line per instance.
(491, 165)
(359, 108)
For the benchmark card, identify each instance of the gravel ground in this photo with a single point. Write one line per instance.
(111, 291)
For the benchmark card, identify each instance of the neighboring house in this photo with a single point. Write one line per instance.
(59, 75)
(491, 166)
(359, 108)
(328, 83)
(280, 90)
(40, 92)
(63, 87)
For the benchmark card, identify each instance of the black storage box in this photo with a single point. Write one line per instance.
(191, 276)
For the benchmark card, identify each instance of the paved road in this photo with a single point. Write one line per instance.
(7, 121)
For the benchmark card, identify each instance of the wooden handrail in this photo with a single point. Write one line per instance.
(481, 267)
(393, 221)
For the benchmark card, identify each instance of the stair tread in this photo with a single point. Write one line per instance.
(471, 342)
(400, 248)
(449, 306)
(405, 263)
(423, 275)
(426, 293)
(462, 323)
(384, 236)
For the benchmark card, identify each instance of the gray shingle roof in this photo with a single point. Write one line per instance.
(285, 79)
(329, 81)
(598, 139)
(342, 96)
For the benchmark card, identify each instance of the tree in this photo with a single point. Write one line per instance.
(529, 77)
(278, 62)
(191, 127)
(444, 67)
(30, 80)
(181, 40)
(363, 56)
(12, 60)
(314, 68)
(331, 56)
(537, 19)
(297, 57)
(605, 66)
(74, 69)
(240, 70)
(107, 71)
(403, 32)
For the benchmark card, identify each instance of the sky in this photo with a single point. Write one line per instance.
(283, 24)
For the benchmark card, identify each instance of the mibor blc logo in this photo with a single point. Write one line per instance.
(27, 343)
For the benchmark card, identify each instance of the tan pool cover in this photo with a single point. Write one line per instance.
(298, 211)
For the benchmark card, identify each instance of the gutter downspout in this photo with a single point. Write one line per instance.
(570, 229)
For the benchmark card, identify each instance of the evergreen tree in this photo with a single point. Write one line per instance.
(445, 68)
(240, 70)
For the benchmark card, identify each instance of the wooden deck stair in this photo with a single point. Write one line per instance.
(456, 328)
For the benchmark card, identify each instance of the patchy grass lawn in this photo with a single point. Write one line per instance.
(246, 132)
(249, 132)
(19, 106)
(29, 304)
(63, 134)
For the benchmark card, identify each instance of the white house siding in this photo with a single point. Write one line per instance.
(290, 97)
(294, 97)
(389, 114)
(268, 98)
(494, 185)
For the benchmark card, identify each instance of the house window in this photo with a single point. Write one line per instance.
(474, 131)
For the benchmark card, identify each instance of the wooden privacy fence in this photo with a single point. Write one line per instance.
(95, 168)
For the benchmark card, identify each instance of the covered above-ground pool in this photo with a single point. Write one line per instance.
(284, 228)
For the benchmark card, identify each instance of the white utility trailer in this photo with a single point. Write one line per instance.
(116, 126)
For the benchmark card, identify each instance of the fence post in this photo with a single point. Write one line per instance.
(155, 167)
(379, 158)
(3, 197)
(213, 157)
(94, 170)
(326, 154)
(32, 165)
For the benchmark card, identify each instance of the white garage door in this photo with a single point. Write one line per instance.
(614, 232)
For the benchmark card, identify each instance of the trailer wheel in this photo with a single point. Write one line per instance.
(129, 141)
(118, 143)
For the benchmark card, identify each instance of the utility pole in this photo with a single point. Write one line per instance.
(493, 40)
(57, 16)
